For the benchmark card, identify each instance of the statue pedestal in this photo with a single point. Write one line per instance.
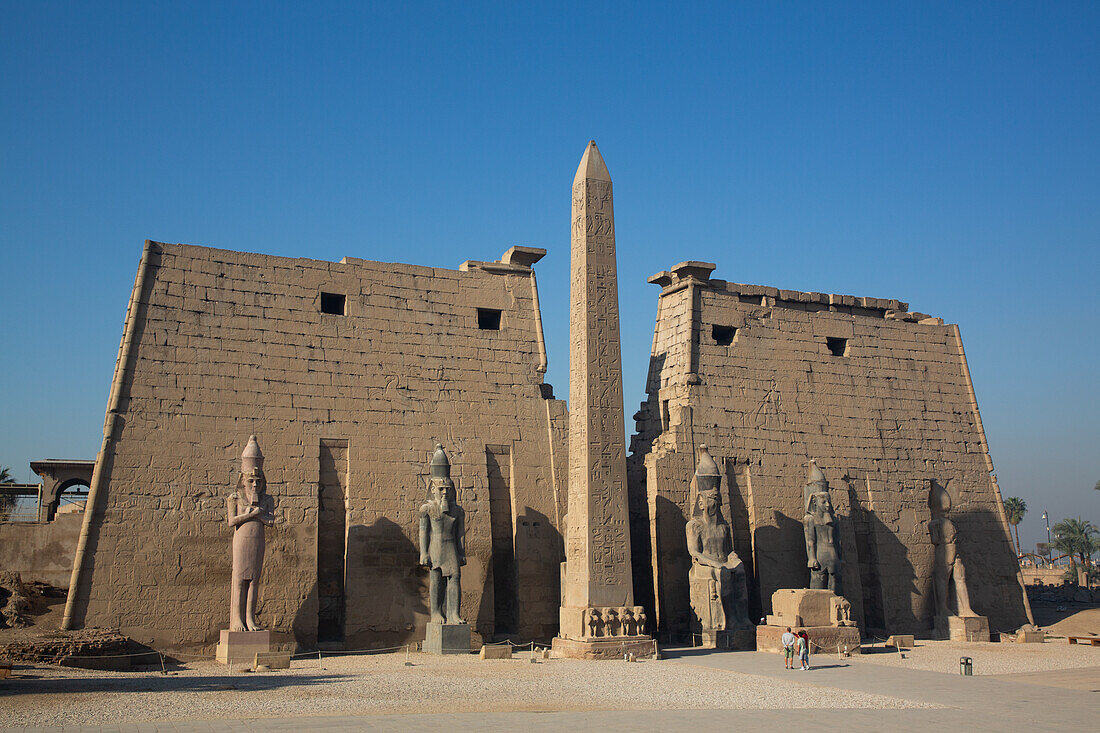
(613, 647)
(236, 647)
(447, 639)
(740, 640)
(967, 628)
(823, 639)
(585, 634)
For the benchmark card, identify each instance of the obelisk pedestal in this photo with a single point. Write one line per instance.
(598, 618)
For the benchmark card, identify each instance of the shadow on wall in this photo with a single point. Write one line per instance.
(780, 549)
(640, 558)
(385, 590)
(883, 568)
(304, 628)
(888, 597)
(674, 614)
(991, 569)
(539, 549)
(483, 622)
(650, 421)
(735, 507)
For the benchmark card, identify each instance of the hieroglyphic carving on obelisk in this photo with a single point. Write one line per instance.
(597, 547)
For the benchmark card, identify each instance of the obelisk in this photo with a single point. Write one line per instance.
(598, 617)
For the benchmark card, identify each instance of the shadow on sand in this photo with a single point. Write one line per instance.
(28, 684)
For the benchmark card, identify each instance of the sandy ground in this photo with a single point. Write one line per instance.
(988, 658)
(383, 684)
(1076, 620)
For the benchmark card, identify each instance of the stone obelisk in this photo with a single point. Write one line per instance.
(598, 616)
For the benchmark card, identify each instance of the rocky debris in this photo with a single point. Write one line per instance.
(97, 648)
(16, 600)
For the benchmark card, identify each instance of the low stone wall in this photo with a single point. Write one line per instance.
(41, 550)
(825, 639)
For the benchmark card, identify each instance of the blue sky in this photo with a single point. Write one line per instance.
(945, 154)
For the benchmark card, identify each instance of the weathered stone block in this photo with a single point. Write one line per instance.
(968, 628)
(823, 639)
(614, 648)
(496, 651)
(803, 607)
(273, 660)
(901, 641)
(447, 639)
(237, 647)
(735, 640)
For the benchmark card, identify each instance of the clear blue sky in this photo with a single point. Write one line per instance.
(946, 154)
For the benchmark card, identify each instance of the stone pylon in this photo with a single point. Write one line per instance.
(598, 616)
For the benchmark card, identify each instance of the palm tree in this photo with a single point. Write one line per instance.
(1077, 538)
(7, 501)
(1015, 509)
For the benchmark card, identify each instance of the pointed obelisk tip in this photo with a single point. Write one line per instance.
(592, 165)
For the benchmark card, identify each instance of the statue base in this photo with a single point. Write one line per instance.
(797, 607)
(441, 638)
(740, 640)
(614, 647)
(963, 628)
(238, 647)
(823, 639)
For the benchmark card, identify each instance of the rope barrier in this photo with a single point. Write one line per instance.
(183, 655)
(299, 655)
(512, 644)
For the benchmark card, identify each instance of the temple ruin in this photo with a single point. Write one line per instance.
(352, 372)
(880, 396)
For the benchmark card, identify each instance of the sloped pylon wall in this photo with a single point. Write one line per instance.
(769, 379)
(349, 373)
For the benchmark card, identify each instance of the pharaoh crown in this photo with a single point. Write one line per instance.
(440, 466)
(252, 459)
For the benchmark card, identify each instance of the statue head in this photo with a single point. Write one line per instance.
(440, 485)
(939, 501)
(815, 496)
(708, 482)
(251, 480)
(815, 478)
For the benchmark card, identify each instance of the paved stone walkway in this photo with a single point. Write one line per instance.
(976, 703)
(970, 703)
(1087, 679)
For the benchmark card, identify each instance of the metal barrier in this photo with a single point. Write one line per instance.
(19, 502)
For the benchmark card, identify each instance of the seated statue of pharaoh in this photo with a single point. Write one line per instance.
(719, 594)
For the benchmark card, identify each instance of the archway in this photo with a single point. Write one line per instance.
(58, 477)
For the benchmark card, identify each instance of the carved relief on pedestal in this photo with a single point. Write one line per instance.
(611, 622)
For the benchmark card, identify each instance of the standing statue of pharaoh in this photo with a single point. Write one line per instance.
(948, 567)
(717, 586)
(442, 541)
(249, 510)
(822, 542)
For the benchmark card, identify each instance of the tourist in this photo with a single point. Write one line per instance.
(788, 647)
(804, 649)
